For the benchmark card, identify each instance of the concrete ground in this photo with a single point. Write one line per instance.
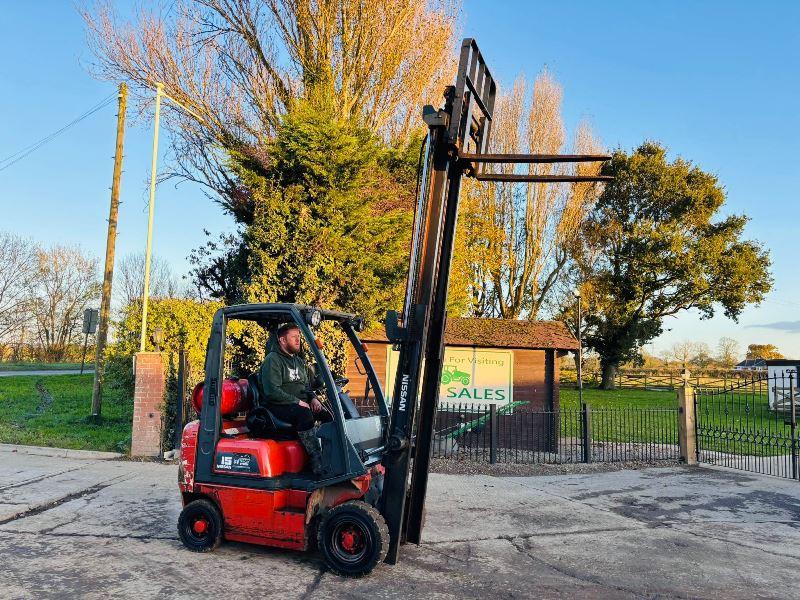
(87, 528)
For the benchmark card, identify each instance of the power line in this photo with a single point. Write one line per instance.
(20, 154)
(46, 139)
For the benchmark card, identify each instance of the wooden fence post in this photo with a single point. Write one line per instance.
(687, 431)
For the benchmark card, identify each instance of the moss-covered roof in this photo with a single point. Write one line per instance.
(498, 333)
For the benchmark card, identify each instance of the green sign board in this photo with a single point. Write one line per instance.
(477, 376)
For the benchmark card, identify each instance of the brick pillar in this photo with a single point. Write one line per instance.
(148, 402)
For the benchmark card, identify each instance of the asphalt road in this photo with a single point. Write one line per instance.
(76, 528)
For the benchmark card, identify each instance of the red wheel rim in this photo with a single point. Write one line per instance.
(200, 526)
(351, 539)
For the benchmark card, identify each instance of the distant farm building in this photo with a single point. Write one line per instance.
(752, 364)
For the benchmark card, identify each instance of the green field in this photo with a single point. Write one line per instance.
(739, 422)
(54, 411)
(626, 398)
(38, 366)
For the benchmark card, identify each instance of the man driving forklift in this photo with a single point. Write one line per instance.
(285, 379)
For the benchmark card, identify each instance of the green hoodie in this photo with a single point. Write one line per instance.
(284, 377)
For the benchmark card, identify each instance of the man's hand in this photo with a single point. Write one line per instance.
(312, 402)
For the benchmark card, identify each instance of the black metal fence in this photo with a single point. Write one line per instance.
(750, 426)
(572, 435)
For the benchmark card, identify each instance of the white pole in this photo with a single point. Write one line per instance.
(149, 247)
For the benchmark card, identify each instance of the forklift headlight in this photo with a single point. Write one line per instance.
(314, 318)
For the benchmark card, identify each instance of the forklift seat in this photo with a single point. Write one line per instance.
(260, 420)
(263, 424)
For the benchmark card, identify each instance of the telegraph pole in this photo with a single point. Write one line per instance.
(108, 274)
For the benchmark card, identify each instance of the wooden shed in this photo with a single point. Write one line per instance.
(487, 361)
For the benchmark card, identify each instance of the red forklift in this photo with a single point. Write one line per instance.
(245, 477)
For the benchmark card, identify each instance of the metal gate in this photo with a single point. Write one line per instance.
(750, 425)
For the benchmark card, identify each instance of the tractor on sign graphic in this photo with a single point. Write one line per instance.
(451, 373)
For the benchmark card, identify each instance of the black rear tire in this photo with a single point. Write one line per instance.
(353, 539)
(200, 526)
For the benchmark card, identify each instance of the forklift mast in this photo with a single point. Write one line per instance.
(457, 145)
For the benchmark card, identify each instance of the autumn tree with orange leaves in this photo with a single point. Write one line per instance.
(517, 239)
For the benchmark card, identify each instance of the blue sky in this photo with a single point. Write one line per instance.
(717, 82)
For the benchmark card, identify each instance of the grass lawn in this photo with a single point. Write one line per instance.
(616, 415)
(37, 366)
(53, 411)
(622, 398)
(739, 422)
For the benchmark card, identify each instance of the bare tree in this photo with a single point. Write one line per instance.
(17, 269)
(680, 352)
(702, 356)
(521, 237)
(239, 64)
(130, 279)
(728, 351)
(689, 353)
(65, 283)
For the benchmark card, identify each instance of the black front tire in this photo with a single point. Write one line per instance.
(353, 539)
(200, 526)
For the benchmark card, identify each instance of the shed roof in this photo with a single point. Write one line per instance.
(498, 333)
(782, 362)
(751, 363)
